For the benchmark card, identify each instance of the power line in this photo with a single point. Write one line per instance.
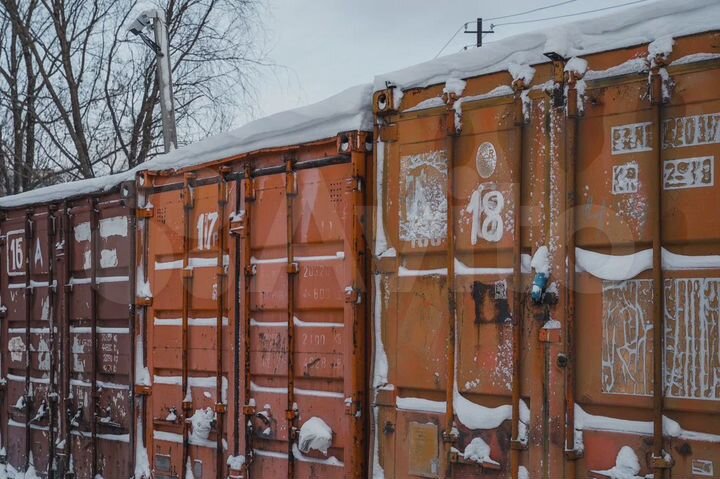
(532, 11)
(451, 39)
(519, 22)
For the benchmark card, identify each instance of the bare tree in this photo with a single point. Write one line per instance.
(82, 97)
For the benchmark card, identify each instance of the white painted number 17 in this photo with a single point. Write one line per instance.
(205, 230)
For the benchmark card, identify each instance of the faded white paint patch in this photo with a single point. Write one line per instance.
(627, 337)
(78, 348)
(82, 231)
(43, 355)
(45, 309)
(108, 258)
(692, 337)
(17, 349)
(423, 208)
(87, 259)
(115, 226)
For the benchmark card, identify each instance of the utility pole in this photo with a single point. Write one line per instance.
(479, 32)
(164, 71)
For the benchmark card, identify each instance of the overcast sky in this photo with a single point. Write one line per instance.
(324, 46)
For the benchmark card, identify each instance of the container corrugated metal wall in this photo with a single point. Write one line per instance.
(472, 377)
(186, 262)
(66, 286)
(500, 325)
(287, 225)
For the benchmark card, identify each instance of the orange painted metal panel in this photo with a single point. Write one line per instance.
(327, 320)
(180, 240)
(587, 352)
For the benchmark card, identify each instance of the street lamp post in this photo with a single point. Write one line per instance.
(164, 72)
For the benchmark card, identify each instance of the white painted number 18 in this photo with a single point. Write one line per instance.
(486, 209)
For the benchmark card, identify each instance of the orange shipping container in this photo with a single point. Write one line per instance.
(472, 290)
(524, 218)
(252, 296)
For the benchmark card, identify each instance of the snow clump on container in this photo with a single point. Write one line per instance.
(315, 434)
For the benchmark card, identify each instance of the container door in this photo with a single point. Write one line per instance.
(424, 179)
(96, 353)
(188, 337)
(616, 334)
(303, 306)
(28, 312)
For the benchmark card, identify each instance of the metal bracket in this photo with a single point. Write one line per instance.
(661, 462)
(518, 445)
(145, 213)
(573, 454)
(449, 437)
(291, 183)
(248, 185)
(384, 101)
(550, 335)
(293, 268)
(143, 390)
(239, 225)
(143, 301)
(251, 270)
(388, 132)
(352, 295)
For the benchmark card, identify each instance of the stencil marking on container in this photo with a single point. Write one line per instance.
(702, 467)
(691, 131)
(15, 252)
(38, 254)
(486, 159)
(423, 211)
(689, 173)
(626, 178)
(627, 337)
(692, 338)
(631, 138)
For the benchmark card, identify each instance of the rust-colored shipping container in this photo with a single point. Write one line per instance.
(535, 226)
(471, 290)
(67, 274)
(252, 305)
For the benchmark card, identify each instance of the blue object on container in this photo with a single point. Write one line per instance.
(538, 288)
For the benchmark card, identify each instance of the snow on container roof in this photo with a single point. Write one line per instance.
(634, 26)
(350, 110)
